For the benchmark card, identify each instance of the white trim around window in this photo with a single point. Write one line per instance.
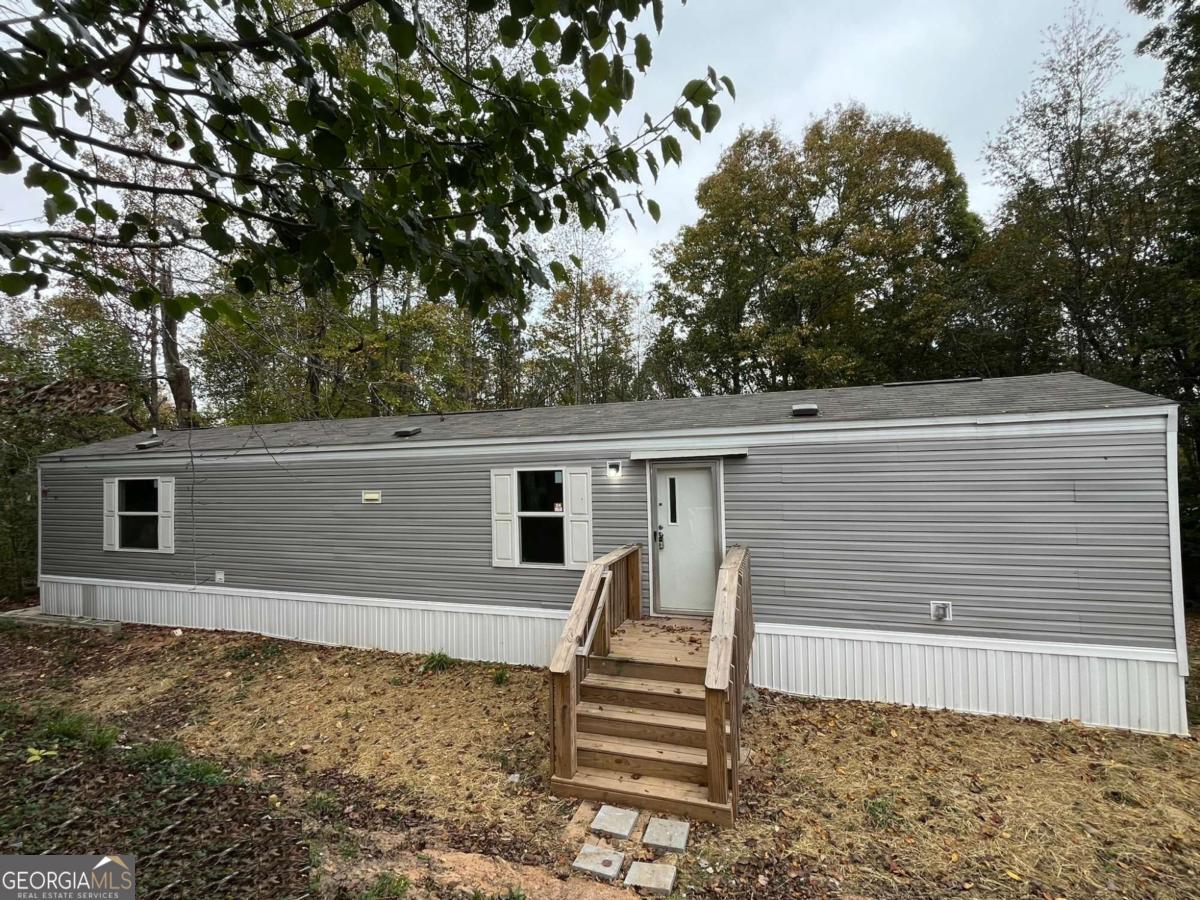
(163, 514)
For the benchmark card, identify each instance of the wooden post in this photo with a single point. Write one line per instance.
(714, 733)
(633, 575)
(562, 710)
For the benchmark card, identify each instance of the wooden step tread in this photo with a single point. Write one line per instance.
(645, 791)
(641, 749)
(644, 686)
(662, 659)
(643, 716)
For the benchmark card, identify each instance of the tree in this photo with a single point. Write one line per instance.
(1074, 162)
(367, 165)
(583, 349)
(831, 262)
(1173, 332)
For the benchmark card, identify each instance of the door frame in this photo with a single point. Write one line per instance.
(717, 468)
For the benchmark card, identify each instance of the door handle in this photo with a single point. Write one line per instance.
(658, 536)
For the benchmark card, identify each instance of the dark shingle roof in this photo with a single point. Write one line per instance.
(1063, 392)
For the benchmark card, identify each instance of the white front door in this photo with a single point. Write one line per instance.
(686, 532)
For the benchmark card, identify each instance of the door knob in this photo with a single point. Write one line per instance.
(658, 536)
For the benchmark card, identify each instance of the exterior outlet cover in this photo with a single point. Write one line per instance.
(372, 496)
(219, 576)
(941, 611)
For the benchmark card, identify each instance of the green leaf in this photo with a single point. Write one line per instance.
(658, 15)
(642, 52)
(255, 109)
(42, 111)
(10, 164)
(598, 69)
(105, 210)
(13, 283)
(711, 116)
(510, 30)
(671, 151)
(559, 271)
(329, 149)
(402, 35)
(698, 92)
(572, 40)
(655, 212)
(728, 82)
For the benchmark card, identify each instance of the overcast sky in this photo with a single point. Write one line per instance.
(956, 67)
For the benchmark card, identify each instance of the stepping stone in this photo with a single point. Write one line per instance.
(653, 877)
(615, 822)
(599, 861)
(666, 835)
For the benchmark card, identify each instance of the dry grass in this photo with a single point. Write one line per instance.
(840, 798)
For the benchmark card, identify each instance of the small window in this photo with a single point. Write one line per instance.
(139, 514)
(541, 517)
(674, 519)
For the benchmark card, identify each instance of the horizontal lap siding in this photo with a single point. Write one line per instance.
(1054, 537)
(300, 526)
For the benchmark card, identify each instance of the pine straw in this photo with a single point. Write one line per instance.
(838, 797)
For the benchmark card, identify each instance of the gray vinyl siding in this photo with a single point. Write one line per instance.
(1042, 538)
(300, 526)
(1047, 538)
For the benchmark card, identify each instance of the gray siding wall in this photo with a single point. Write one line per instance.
(1059, 538)
(1053, 538)
(300, 526)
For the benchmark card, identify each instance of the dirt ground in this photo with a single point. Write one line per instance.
(243, 766)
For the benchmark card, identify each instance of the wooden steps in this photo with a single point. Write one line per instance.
(646, 792)
(645, 693)
(646, 712)
(682, 729)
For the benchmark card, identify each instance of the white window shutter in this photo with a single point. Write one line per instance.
(110, 514)
(579, 517)
(166, 515)
(504, 519)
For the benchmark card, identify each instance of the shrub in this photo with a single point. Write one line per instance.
(500, 677)
(437, 662)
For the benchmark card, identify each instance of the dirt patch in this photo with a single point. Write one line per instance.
(393, 769)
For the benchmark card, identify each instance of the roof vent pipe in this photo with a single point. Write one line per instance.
(800, 410)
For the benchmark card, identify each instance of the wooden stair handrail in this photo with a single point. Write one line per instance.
(724, 621)
(594, 604)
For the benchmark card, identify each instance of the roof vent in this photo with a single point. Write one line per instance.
(149, 443)
(407, 432)
(933, 381)
(800, 410)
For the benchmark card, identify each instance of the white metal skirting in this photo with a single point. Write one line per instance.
(1141, 694)
(1129, 688)
(470, 633)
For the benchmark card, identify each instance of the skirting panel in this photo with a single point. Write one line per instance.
(1119, 689)
(1138, 694)
(502, 635)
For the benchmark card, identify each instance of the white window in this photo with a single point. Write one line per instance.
(542, 517)
(139, 514)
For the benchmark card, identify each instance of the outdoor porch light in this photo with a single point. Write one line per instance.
(614, 468)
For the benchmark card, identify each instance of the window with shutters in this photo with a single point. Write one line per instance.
(541, 517)
(139, 514)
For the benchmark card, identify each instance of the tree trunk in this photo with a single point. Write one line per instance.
(179, 376)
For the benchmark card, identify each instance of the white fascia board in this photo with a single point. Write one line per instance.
(1134, 419)
(702, 453)
(1172, 450)
(1104, 651)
